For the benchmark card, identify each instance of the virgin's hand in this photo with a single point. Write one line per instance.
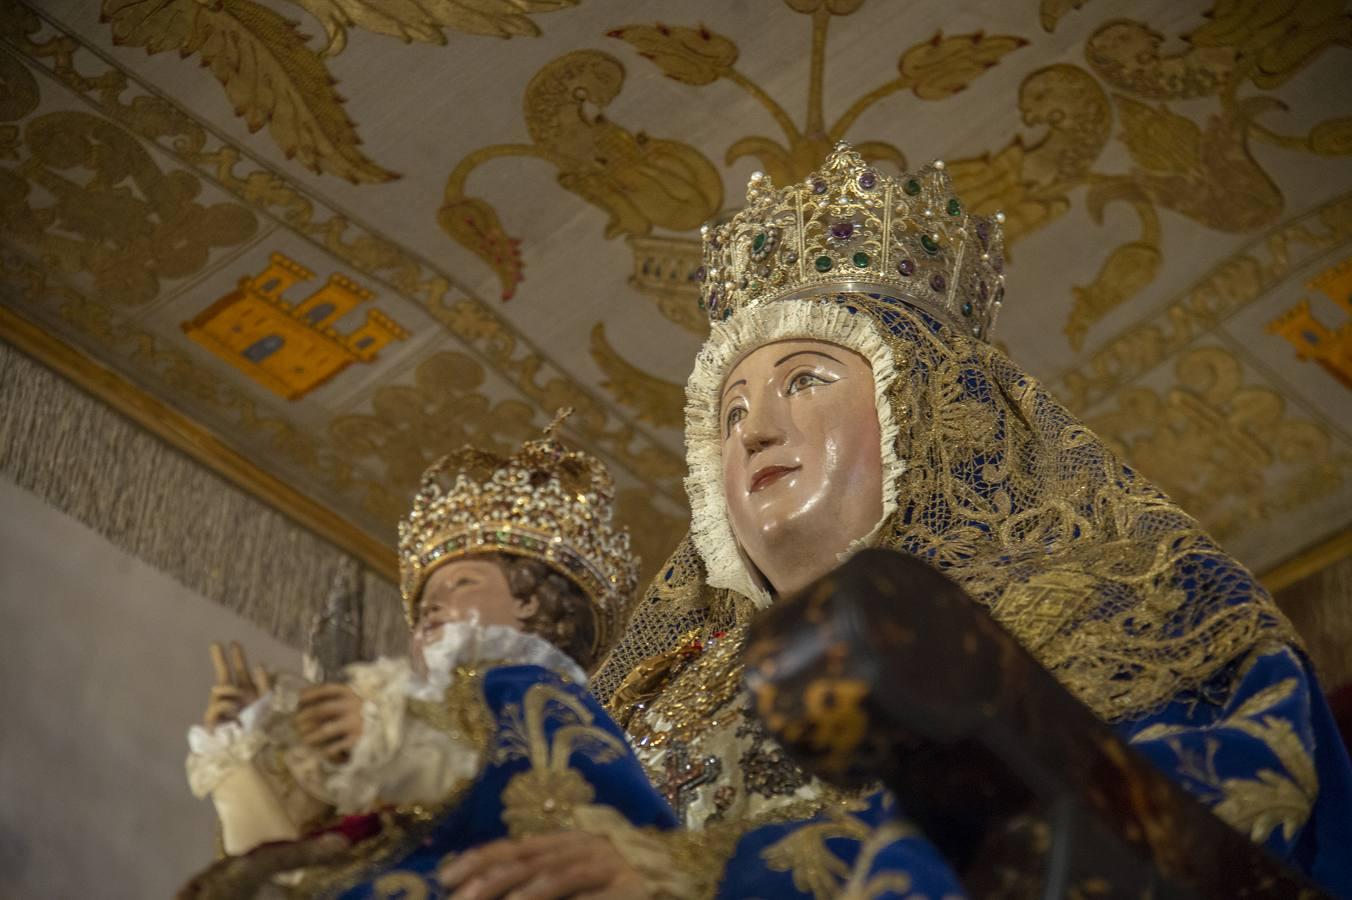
(236, 686)
(329, 720)
(567, 864)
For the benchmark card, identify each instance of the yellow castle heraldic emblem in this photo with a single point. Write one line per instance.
(291, 350)
(1311, 337)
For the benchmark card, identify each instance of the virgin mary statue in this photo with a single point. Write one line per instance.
(848, 397)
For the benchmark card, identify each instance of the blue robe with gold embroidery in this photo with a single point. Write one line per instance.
(555, 747)
(1256, 753)
(1259, 746)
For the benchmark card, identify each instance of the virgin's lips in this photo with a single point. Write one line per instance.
(769, 475)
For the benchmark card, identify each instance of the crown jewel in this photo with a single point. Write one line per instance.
(849, 227)
(544, 501)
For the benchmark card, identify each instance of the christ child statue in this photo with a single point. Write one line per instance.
(516, 582)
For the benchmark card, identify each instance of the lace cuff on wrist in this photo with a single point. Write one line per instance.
(213, 753)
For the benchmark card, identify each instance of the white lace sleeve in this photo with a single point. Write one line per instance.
(399, 758)
(214, 753)
(383, 687)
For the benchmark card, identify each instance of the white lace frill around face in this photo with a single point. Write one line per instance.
(472, 644)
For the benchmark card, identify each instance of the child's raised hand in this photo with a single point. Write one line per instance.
(236, 686)
(329, 720)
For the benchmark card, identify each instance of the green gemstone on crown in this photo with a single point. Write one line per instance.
(861, 259)
(911, 187)
(954, 207)
(929, 243)
(823, 264)
(758, 242)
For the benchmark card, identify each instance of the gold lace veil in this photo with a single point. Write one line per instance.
(1117, 591)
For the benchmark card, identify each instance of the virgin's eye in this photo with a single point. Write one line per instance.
(735, 415)
(805, 380)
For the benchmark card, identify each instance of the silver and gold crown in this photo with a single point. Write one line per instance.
(545, 502)
(848, 227)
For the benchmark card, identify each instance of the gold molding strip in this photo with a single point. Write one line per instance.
(1309, 561)
(188, 437)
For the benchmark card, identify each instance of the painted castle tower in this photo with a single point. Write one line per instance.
(1331, 349)
(291, 349)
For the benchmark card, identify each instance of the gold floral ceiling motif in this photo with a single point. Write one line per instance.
(1211, 442)
(1173, 180)
(274, 77)
(640, 181)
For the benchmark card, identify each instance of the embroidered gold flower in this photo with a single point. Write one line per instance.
(543, 800)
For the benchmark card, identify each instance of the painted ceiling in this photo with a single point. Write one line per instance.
(345, 236)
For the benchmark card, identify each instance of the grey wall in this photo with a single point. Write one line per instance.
(103, 665)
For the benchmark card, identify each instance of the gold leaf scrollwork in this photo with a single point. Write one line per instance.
(1274, 40)
(932, 70)
(269, 74)
(1158, 139)
(1332, 138)
(125, 100)
(652, 531)
(831, 7)
(424, 20)
(18, 89)
(1030, 183)
(1050, 12)
(1204, 172)
(641, 181)
(694, 56)
(654, 399)
(666, 270)
(1211, 441)
(412, 424)
(109, 211)
(943, 66)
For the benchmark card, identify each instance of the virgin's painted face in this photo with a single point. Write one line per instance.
(802, 461)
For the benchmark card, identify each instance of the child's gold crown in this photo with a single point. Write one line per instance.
(848, 227)
(545, 502)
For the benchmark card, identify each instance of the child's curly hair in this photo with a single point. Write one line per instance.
(564, 615)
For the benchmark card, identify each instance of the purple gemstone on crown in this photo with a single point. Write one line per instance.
(938, 282)
(983, 232)
(842, 231)
(819, 186)
(982, 291)
(714, 295)
(906, 267)
(998, 264)
(868, 181)
(701, 273)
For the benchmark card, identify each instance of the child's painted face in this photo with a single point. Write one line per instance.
(464, 590)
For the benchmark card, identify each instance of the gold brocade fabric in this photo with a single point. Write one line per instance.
(1115, 590)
